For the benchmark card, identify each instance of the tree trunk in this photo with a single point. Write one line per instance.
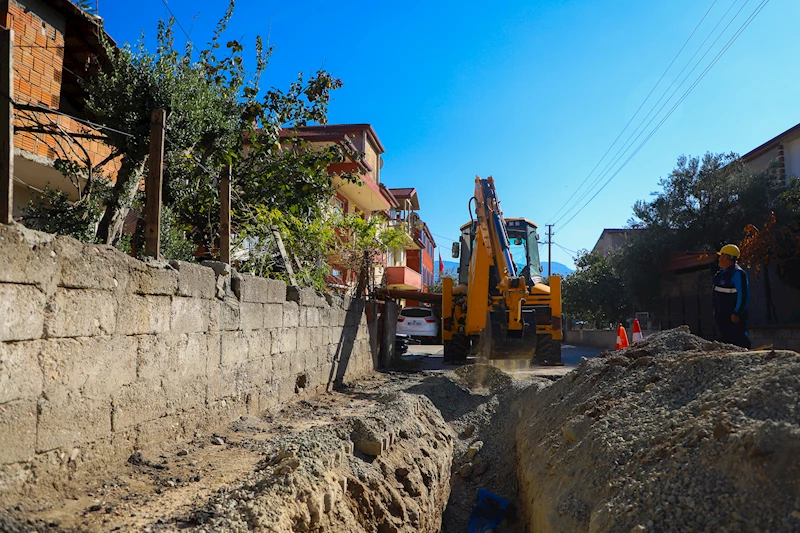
(129, 176)
(363, 275)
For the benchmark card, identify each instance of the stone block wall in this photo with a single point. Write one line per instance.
(101, 354)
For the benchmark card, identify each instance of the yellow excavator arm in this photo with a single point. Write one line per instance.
(496, 309)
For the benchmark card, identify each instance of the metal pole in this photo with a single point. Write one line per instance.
(7, 121)
(549, 251)
(155, 175)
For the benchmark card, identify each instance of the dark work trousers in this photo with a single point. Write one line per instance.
(733, 333)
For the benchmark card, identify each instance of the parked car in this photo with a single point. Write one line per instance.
(417, 322)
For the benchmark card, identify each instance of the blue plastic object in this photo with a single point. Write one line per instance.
(488, 512)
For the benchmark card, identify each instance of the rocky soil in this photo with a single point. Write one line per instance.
(475, 401)
(672, 434)
(365, 459)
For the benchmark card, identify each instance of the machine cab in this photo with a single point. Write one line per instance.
(523, 239)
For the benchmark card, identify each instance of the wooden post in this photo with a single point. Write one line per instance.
(286, 261)
(225, 215)
(155, 175)
(7, 127)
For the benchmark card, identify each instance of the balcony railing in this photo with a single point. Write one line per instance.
(403, 278)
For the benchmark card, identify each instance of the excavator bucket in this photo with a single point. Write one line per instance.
(497, 342)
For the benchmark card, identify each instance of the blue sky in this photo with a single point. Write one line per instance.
(533, 93)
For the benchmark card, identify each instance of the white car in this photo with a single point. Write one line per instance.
(417, 322)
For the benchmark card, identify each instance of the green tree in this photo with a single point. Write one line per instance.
(306, 242)
(595, 292)
(704, 202)
(217, 115)
(776, 242)
(361, 242)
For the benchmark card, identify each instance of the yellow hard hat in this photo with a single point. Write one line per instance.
(729, 249)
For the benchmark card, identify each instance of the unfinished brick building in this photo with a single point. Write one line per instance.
(55, 45)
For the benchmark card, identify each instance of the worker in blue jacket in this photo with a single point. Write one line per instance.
(731, 296)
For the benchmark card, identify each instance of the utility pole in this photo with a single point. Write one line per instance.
(7, 122)
(549, 250)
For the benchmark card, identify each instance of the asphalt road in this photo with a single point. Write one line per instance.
(430, 357)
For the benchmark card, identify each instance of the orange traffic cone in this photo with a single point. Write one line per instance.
(622, 338)
(637, 332)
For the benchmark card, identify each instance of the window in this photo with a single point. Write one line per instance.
(338, 204)
(415, 312)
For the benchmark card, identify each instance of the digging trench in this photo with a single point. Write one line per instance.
(674, 434)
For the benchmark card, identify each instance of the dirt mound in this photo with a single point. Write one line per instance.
(478, 376)
(388, 470)
(673, 434)
(678, 342)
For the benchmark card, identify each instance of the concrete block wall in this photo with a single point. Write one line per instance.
(101, 354)
(780, 337)
(599, 338)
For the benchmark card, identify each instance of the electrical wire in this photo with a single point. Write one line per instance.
(637, 111)
(566, 249)
(636, 132)
(730, 42)
(631, 139)
(178, 22)
(448, 239)
(674, 107)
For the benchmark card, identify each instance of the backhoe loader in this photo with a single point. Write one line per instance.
(502, 307)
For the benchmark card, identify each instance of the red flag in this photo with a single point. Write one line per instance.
(441, 264)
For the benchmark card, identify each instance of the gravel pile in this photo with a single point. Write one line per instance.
(672, 434)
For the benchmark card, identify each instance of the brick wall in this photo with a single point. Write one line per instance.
(38, 56)
(38, 67)
(101, 354)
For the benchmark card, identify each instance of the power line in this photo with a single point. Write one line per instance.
(730, 42)
(636, 132)
(636, 112)
(565, 249)
(448, 239)
(631, 139)
(178, 22)
(674, 107)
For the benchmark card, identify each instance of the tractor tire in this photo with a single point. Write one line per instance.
(548, 351)
(459, 348)
(448, 352)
